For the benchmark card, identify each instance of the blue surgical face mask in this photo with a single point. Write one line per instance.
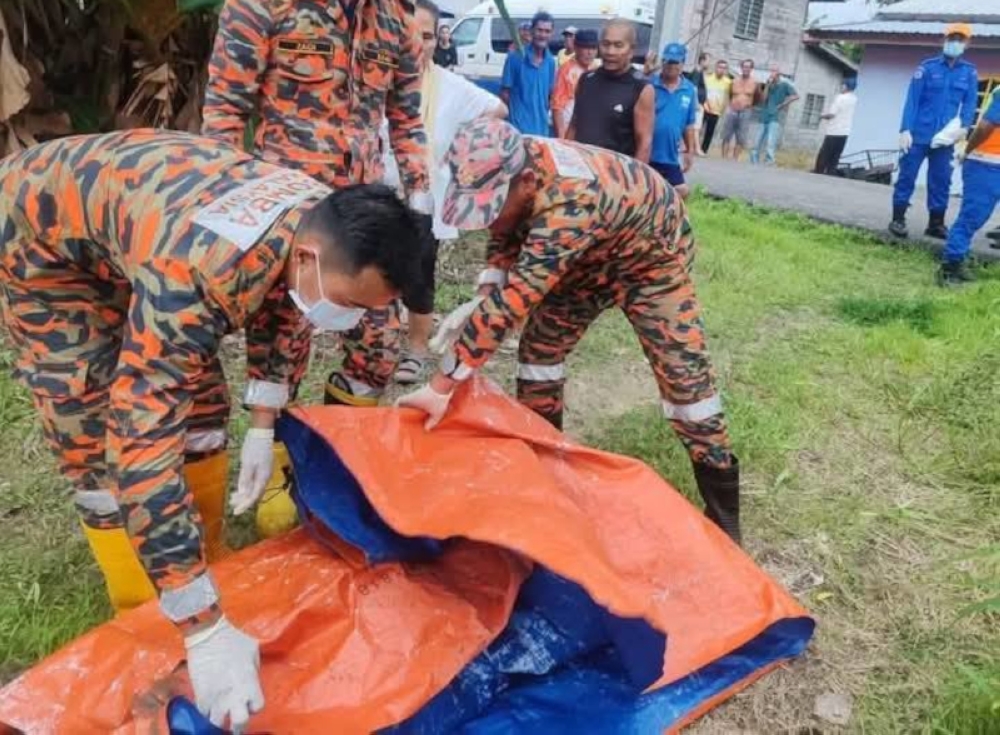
(324, 314)
(954, 49)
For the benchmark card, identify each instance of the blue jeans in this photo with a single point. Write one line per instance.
(770, 132)
(980, 194)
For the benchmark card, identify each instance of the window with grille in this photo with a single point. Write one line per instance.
(812, 110)
(748, 19)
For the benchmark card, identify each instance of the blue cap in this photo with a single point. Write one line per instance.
(851, 83)
(675, 52)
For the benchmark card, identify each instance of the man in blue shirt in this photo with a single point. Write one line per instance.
(942, 89)
(676, 119)
(529, 76)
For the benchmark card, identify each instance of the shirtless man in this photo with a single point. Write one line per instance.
(736, 123)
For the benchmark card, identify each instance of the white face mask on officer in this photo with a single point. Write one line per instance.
(324, 314)
(954, 49)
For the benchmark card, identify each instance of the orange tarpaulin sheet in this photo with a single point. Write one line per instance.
(496, 472)
(335, 656)
(360, 647)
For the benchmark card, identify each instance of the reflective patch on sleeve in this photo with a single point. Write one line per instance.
(243, 215)
(569, 162)
(919, 73)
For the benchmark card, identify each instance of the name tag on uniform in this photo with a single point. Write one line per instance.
(243, 215)
(305, 46)
(380, 56)
(569, 162)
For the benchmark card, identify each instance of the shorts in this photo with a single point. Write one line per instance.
(737, 124)
(421, 301)
(672, 172)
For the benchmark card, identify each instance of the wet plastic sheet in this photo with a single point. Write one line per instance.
(341, 643)
(644, 565)
(632, 590)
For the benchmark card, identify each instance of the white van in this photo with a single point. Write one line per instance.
(483, 38)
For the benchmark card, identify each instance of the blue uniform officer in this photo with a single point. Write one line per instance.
(676, 119)
(981, 192)
(942, 89)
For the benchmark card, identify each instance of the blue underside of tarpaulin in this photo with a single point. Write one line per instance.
(563, 664)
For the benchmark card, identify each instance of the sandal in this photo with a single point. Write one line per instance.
(411, 369)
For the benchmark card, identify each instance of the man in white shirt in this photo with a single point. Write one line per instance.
(841, 118)
(447, 101)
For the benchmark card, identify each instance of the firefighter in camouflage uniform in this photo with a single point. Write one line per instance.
(575, 230)
(322, 74)
(124, 260)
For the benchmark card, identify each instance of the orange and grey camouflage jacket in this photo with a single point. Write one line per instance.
(200, 233)
(596, 211)
(322, 83)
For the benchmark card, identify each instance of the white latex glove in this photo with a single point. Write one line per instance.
(428, 400)
(905, 141)
(223, 663)
(256, 465)
(452, 325)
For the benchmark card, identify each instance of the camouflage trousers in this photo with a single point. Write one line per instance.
(658, 298)
(371, 349)
(67, 318)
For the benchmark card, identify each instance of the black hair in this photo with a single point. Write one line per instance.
(542, 17)
(748, 61)
(702, 56)
(431, 8)
(368, 225)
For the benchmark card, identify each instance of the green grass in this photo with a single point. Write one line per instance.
(864, 404)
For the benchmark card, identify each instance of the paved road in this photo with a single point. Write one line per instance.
(826, 198)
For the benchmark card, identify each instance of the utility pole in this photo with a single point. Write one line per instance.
(667, 23)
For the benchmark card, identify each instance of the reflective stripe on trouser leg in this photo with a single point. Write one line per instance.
(551, 333)
(371, 350)
(540, 388)
(663, 309)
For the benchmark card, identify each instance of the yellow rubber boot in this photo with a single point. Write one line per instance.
(276, 513)
(207, 478)
(126, 580)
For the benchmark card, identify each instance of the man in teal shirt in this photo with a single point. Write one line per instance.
(778, 97)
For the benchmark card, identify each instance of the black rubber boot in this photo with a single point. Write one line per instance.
(936, 228)
(954, 274)
(898, 225)
(720, 489)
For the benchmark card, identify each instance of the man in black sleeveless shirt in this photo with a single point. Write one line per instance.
(615, 105)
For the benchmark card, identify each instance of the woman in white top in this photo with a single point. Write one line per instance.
(447, 101)
(841, 118)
